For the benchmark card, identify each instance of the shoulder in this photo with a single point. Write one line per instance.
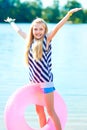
(48, 38)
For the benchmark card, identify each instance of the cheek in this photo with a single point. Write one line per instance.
(34, 32)
(43, 31)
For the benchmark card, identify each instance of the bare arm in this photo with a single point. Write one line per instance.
(16, 28)
(60, 24)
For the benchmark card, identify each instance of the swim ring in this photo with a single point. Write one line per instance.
(26, 96)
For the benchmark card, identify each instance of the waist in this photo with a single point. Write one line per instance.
(44, 84)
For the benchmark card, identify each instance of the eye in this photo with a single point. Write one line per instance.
(35, 29)
(41, 29)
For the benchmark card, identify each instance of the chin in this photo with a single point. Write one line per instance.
(39, 38)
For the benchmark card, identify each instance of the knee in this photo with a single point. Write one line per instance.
(50, 112)
(39, 110)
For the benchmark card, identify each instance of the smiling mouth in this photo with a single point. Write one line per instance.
(39, 36)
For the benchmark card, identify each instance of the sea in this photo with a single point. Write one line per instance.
(69, 60)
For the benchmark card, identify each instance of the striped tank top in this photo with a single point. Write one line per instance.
(40, 71)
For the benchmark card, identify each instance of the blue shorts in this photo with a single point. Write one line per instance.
(47, 87)
(48, 90)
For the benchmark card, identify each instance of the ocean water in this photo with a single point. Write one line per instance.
(69, 68)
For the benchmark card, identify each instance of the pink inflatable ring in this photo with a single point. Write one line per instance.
(28, 95)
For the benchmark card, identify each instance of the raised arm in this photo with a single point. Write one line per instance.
(61, 23)
(16, 28)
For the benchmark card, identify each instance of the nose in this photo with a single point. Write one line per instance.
(38, 31)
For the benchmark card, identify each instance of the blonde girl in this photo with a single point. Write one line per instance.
(38, 57)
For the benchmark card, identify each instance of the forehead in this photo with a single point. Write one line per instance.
(39, 25)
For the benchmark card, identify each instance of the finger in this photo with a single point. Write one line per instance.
(80, 8)
(5, 20)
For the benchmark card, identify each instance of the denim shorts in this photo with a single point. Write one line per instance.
(48, 90)
(47, 87)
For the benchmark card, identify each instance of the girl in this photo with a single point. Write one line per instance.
(38, 58)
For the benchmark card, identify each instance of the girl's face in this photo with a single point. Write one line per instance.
(38, 30)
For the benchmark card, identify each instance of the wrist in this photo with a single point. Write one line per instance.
(69, 13)
(11, 21)
(16, 28)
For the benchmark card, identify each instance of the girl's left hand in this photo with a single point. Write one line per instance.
(74, 10)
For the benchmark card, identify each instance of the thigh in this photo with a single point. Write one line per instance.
(49, 100)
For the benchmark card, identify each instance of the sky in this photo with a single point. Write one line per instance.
(62, 2)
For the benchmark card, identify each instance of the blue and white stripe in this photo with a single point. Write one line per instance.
(40, 71)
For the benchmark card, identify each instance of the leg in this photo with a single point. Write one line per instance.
(41, 115)
(49, 99)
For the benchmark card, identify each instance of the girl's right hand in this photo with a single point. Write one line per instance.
(9, 20)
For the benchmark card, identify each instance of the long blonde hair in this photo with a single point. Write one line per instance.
(37, 48)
